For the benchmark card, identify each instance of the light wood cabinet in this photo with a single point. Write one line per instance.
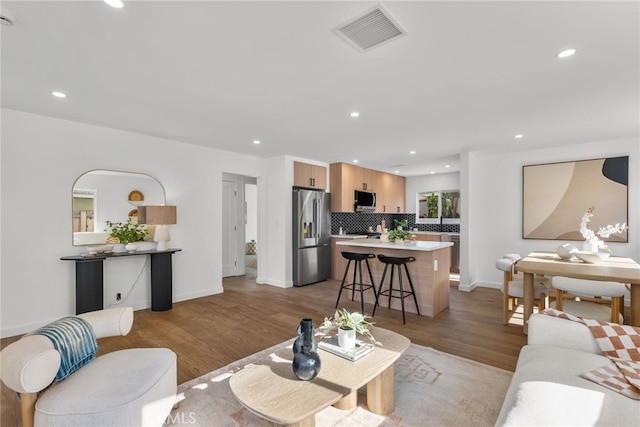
(345, 178)
(396, 202)
(343, 183)
(366, 179)
(435, 237)
(391, 193)
(310, 176)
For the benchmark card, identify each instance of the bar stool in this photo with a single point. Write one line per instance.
(357, 268)
(402, 293)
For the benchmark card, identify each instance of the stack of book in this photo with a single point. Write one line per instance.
(353, 354)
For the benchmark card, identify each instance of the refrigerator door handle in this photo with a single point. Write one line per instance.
(315, 220)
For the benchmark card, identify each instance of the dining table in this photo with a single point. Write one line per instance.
(612, 269)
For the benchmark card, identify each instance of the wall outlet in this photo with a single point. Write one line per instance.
(118, 296)
(435, 265)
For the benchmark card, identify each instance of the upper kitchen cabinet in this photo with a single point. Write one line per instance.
(343, 182)
(345, 178)
(391, 193)
(366, 179)
(309, 176)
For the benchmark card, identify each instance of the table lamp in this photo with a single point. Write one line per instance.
(160, 216)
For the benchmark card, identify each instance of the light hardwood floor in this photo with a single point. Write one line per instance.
(208, 333)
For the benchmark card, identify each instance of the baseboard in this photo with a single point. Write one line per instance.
(273, 282)
(478, 284)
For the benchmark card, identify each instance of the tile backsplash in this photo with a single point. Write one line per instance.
(355, 222)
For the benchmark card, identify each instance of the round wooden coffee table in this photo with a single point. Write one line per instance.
(269, 389)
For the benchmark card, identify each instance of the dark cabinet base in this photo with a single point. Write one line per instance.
(90, 285)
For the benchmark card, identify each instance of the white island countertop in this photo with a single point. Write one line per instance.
(409, 246)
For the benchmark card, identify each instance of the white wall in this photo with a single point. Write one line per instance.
(491, 187)
(41, 159)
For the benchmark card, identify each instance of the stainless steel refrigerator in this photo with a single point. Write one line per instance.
(311, 236)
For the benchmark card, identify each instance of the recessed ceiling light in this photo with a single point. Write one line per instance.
(397, 172)
(519, 136)
(118, 4)
(447, 166)
(432, 172)
(412, 152)
(355, 160)
(256, 141)
(355, 114)
(59, 94)
(566, 53)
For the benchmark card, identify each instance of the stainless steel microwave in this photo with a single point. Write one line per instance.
(364, 201)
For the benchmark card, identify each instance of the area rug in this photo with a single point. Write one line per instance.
(432, 389)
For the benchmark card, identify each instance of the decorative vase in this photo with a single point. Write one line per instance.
(119, 248)
(399, 241)
(590, 246)
(131, 247)
(346, 337)
(384, 238)
(306, 361)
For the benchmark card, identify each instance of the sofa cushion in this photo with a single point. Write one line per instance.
(547, 389)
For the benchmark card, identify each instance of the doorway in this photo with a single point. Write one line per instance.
(239, 223)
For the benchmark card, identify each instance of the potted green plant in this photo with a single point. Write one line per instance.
(126, 233)
(348, 325)
(399, 224)
(400, 235)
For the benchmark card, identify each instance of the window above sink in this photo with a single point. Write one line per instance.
(440, 206)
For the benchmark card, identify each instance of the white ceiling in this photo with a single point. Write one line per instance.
(468, 76)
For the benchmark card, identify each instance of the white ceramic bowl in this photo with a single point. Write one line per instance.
(566, 251)
(592, 257)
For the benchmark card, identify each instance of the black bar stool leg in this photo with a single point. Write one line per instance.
(353, 283)
(372, 281)
(391, 285)
(384, 273)
(361, 288)
(344, 278)
(404, 320)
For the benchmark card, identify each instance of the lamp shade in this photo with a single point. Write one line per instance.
(158, 215)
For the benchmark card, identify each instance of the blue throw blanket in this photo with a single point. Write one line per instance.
(74, 339)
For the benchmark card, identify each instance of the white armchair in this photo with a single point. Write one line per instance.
(126, 387)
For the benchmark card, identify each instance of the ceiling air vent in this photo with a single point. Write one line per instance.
(370, 29)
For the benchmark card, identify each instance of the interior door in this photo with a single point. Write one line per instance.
(230, 229)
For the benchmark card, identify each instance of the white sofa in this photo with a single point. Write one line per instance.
(547, 389)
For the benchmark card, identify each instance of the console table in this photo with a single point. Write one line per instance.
(90, 286)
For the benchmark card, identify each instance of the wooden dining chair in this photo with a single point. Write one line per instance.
(513, 287)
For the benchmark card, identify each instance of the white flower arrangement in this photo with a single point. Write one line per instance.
(603, 232)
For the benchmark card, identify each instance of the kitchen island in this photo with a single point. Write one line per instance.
(429, 272)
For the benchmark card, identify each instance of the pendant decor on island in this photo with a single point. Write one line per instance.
(306, 361)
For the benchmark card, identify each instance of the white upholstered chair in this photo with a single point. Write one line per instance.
(513, 287)
(133, 387)
(591, 299)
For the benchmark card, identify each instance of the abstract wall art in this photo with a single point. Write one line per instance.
(555, 196)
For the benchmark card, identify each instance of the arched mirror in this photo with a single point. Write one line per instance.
(106, 195)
